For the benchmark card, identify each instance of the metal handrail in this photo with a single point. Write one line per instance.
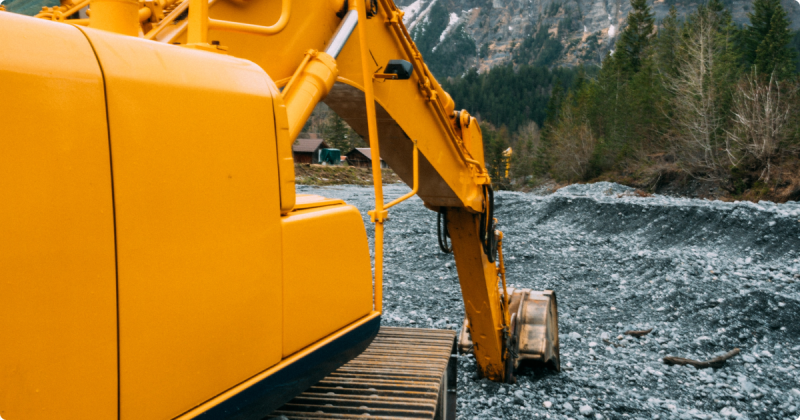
(151, 34)
(416, 181)
(59, 16)
(200, 23)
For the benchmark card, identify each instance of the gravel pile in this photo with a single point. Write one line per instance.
(706, 276)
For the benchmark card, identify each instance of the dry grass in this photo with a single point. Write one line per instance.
(310, 174)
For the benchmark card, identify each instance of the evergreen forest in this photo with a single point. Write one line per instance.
(678, 101)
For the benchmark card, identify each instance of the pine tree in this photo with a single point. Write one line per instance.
(335, 133)
(635, 38)
(728, 63)
(755, 33)
(543, 156)
(668, 37)
(795, 45)
(766, 40)
(774, 53)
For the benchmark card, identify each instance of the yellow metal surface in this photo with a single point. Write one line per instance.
(168, 14)
(507, 159)
(378, 215)
(62, 12)
(198, 228)
(197, 30)
(415, 186)
(482, 304)
(273, 370)
(406, 109)
(58, 321)
(285, 158)
(416, 108)
(471, 136)
(118, 16)
(204, 185)
(319, 296)
(501, 268)
(312, 81)
(226, 25)
(309, 201)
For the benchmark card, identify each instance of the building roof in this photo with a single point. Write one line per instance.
(308, 145)
(366, 151)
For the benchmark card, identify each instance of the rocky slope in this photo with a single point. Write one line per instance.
(707, 276)
(524, 31)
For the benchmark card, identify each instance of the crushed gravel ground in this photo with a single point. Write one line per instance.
(707, 276)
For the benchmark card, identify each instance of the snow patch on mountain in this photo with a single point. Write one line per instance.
(411, 11)
(450, 25)
(421, 16)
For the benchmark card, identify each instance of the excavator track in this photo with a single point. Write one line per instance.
(405, 373)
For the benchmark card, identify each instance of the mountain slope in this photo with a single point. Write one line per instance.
(544, 32)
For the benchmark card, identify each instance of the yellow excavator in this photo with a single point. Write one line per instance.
(156, 261)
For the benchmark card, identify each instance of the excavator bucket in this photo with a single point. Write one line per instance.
(534, 329)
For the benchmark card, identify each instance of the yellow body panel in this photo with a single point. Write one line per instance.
(287, 362)
(285, 158)
(319, 296)
(314, 20)
(58, 321)
(198, 222)
(404, 110)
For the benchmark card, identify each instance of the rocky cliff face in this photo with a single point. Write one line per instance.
(545, 32)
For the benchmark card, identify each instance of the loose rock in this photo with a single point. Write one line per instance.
(582, 235)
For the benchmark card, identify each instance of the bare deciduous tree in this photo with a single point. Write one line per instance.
(761, 112)
(695, 115)
(573, 146)
(526, 143)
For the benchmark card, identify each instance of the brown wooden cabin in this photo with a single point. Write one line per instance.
(306, 148)
(361, 157)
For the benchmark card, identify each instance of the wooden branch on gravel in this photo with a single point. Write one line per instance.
(716, 362)
(638, 334)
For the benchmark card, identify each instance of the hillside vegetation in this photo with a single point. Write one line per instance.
(701, 102)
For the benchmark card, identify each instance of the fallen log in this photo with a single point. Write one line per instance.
(638, 334)
(716, 362)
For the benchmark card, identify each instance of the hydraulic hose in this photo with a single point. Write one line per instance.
(487, 225)
(441, 231)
